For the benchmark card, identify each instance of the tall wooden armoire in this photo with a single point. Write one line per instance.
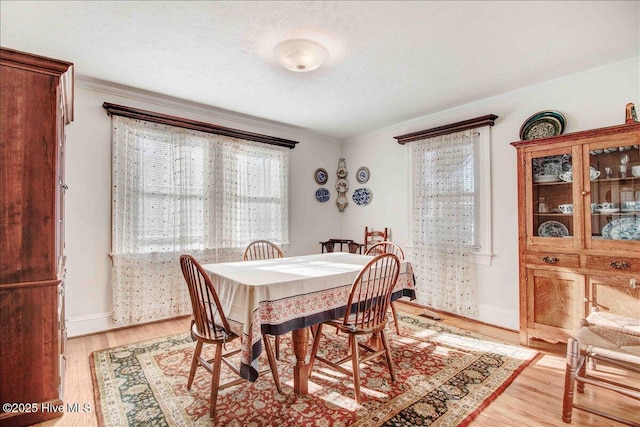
(36, 96)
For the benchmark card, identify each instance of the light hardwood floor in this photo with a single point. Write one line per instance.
(534, 398)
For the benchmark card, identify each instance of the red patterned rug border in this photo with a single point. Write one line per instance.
(440, 336)
(96, 390)
(472, 416)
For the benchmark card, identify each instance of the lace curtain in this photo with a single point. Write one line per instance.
(444, 209)
(180, 191)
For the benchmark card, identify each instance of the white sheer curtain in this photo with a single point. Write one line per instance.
(444, 209)
(179, 191)
(251, 193)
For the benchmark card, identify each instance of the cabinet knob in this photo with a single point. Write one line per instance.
(584, 193)
(550, 259)
(619, 265)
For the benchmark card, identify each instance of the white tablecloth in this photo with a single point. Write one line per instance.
(279, 295)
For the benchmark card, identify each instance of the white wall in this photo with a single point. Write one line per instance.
(88, 200)
(588, 100)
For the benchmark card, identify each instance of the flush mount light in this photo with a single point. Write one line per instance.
(300, 55)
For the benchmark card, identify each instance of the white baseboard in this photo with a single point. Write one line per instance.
(92, 324)
(84, 325)
(499, 316)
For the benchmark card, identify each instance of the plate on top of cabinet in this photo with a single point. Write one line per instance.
(553, 229)
(542, 125)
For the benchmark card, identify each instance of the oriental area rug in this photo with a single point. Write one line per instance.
(444, 377)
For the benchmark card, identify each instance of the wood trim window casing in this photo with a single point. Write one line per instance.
(487, 120)
(150, 116)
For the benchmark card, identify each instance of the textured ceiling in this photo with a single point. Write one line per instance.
(389, 61)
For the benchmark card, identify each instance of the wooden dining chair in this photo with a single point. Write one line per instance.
(261, 249)
(372, 237)
(366, 314)
(264, 249)
(209, 325)
(608, 340)
(388, 248)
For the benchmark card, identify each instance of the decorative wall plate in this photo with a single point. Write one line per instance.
(321, 176)
(342, 202)
(342, 185)
(362, 196)
(322, 195)
(627, 228)
(362, 175)
(552, 229)
(542, 125)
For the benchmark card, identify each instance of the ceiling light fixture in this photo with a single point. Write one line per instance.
(301, 55)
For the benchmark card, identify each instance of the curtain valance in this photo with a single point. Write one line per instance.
(165, 119)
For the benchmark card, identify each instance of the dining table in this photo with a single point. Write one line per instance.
(290, 294)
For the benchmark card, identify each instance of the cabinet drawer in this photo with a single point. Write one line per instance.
(613, 264)
(553, 259)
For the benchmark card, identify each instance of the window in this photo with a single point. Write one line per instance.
(253, 194)
(170, 194)
(178, 190)
(464, 182)
(478, 160)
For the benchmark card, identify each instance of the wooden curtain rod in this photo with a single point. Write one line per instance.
(165, 119)
(487, 120)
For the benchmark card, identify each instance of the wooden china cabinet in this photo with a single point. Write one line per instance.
(586, 256)
(36, 103)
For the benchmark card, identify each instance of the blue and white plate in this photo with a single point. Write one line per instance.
(323, 195)
(321, 176)
(362, 175)
(551, 165)
(552, 229)
(626, 228)
(362, 196)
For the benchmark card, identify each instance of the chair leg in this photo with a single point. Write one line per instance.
(194, 363)
(314, 348)
(569, 379)
(387, 349)
(272, 361)
(395, 317)
(583, 361)
(355, 361)
(215, 380)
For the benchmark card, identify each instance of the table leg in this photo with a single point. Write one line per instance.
(300, 372)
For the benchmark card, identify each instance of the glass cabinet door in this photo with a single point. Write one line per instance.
(552, 209)
(614, 193)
